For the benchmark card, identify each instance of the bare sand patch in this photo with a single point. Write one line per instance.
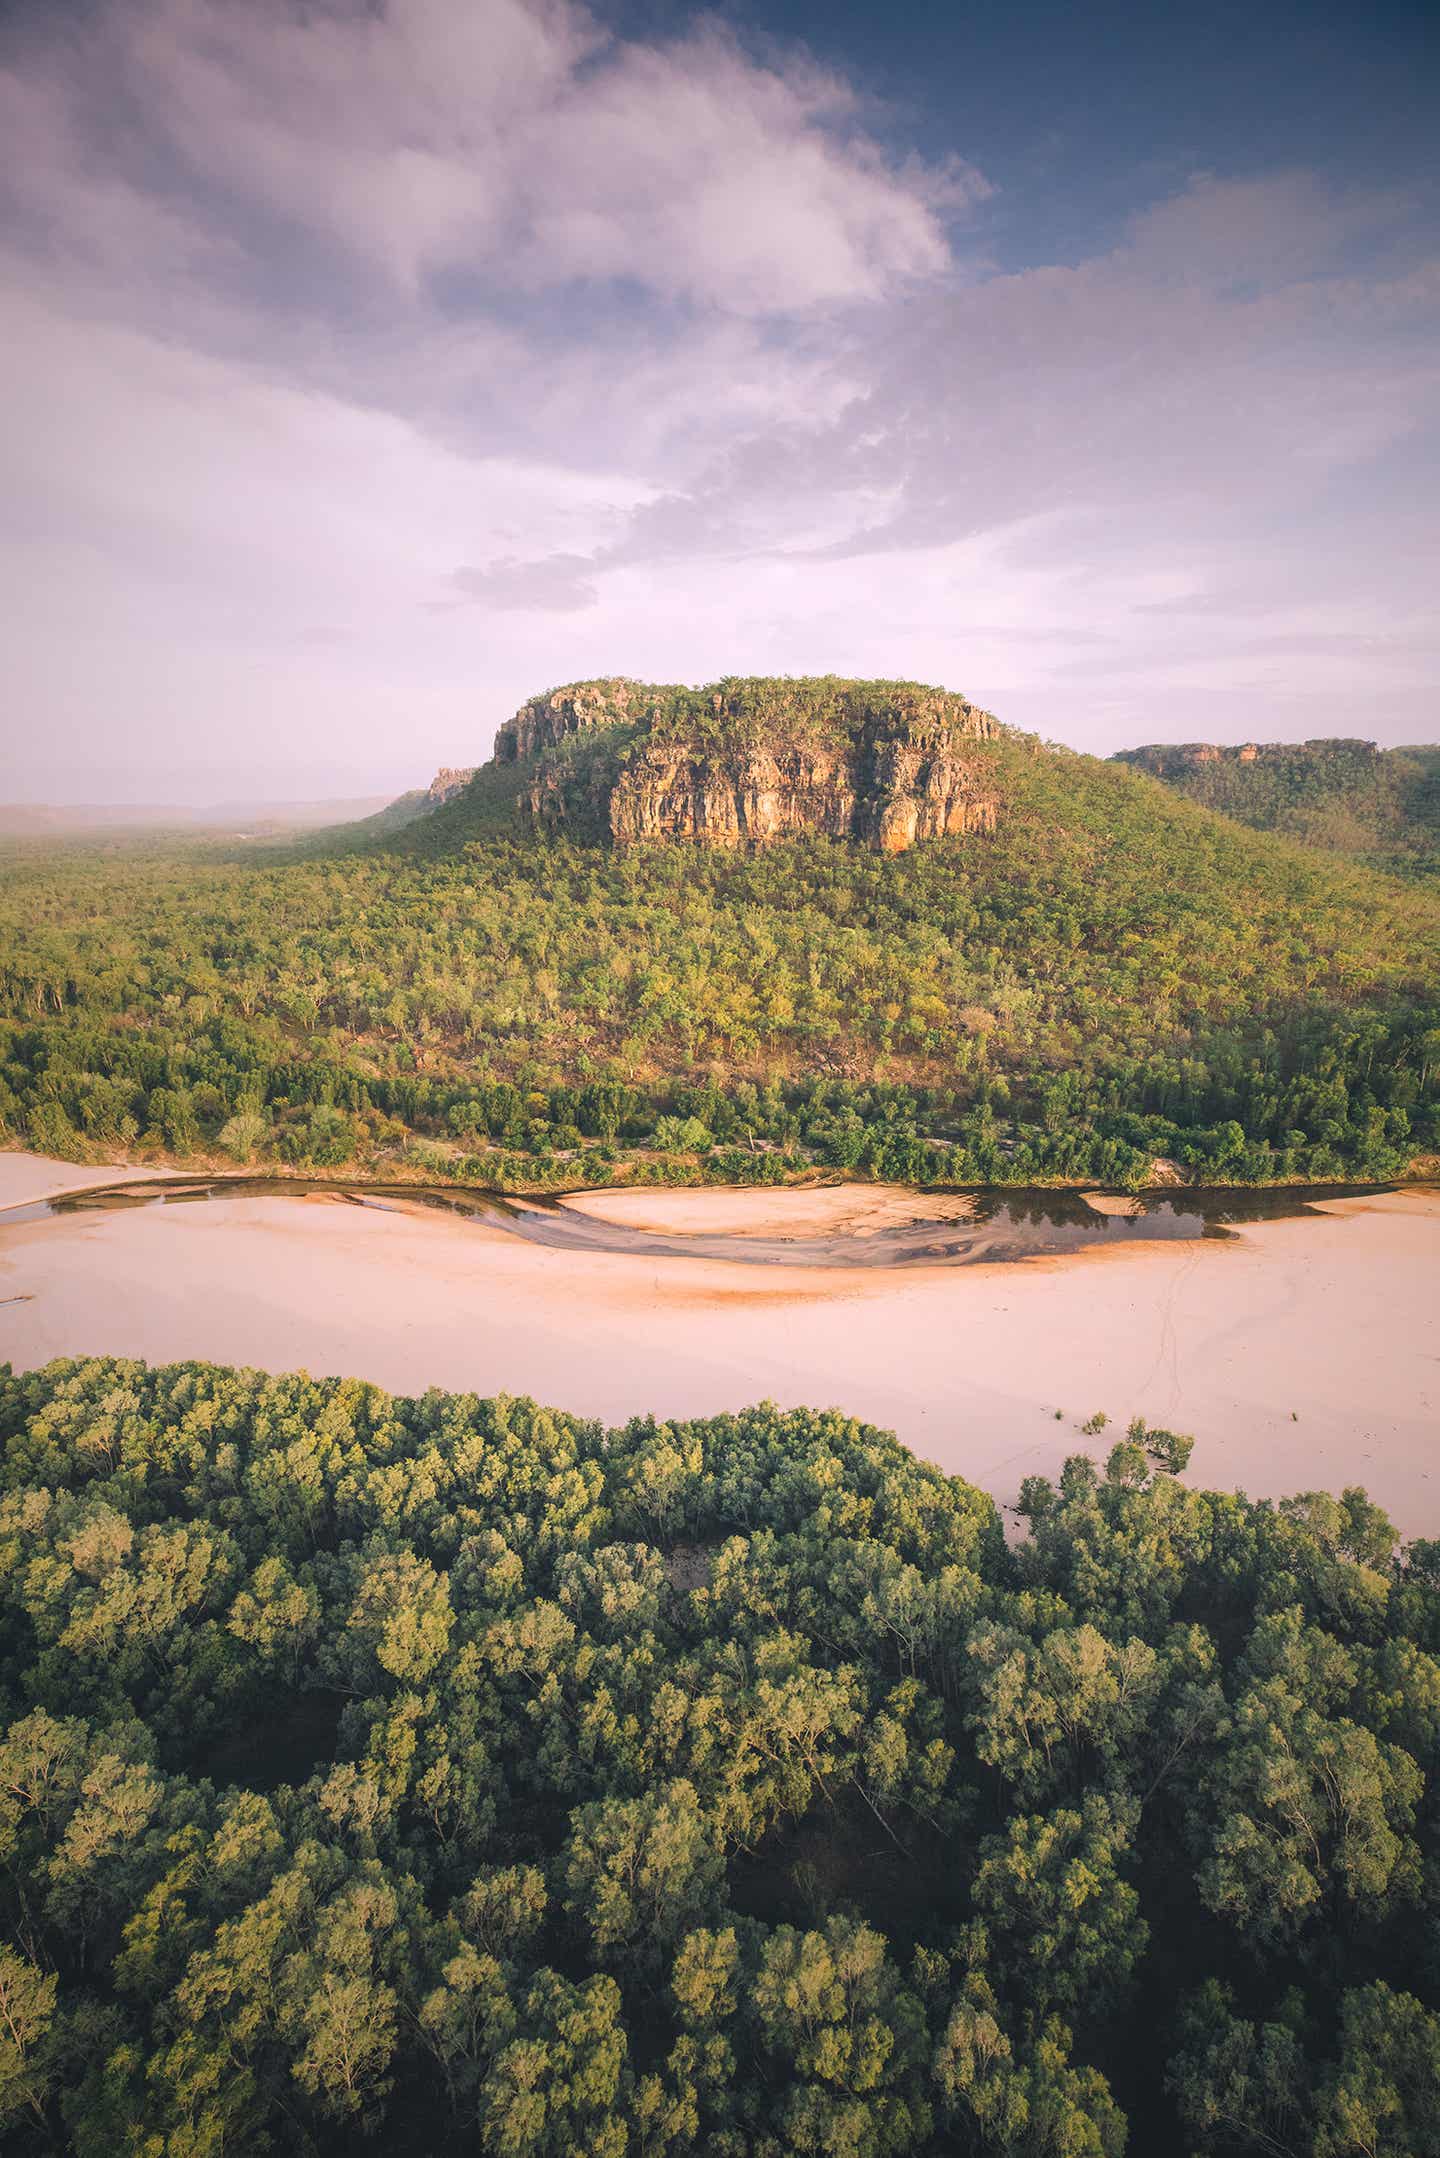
(27, 1177)
(824, 1210)
(1302, 1353)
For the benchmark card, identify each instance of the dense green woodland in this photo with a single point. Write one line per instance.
(466, 1775)
(1114, 975)
(1379, 807)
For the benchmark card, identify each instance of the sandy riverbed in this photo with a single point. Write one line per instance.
(24, 1177)
(825, 1210)
(1301, 1353)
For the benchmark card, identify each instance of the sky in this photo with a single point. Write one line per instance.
(371, 365)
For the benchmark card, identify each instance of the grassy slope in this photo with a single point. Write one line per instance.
(1103, 908)
(1383, 810)
(1108, 927)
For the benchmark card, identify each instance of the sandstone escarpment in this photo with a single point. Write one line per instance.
(889, 799)
(546, 722)
(1171, 760)
(450, 780)
(750, 761)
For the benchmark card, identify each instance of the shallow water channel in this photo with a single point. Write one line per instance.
(946, 1227)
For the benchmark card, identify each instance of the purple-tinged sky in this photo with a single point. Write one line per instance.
(370, 367)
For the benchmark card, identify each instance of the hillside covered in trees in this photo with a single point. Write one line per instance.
(1380, 806)
(1081, 974)
(465, 1775)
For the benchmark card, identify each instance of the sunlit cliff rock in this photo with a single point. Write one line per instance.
(745, 761)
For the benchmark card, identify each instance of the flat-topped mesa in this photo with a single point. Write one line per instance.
(746, 761)
(1166, 760)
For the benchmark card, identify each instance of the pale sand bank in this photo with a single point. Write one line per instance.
(1333, 1318)
(25, 1177)
(824, 1210)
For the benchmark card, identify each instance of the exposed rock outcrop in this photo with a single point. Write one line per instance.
(449, 781)
(545, 722)
(891, 798)
(749, 761)
(1170, 760)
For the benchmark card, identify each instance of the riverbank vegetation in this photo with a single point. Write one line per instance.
(463, 1774)
(1112, 977)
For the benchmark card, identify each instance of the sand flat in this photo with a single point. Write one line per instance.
(25, 1177)
(1302, 1353)
(817, 1210)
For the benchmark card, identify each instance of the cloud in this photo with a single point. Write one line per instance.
(1121, 441)
(559, 584)
(513, 141)
(1106, 384)
(1232, 235)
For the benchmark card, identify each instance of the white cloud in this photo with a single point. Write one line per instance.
(508, 139)
(1118, 442)
(184, 453)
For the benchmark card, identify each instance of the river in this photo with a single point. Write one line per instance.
(1293, 1333)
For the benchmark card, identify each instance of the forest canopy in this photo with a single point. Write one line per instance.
(1110, 977)
(466, 1775)
(1380, 806)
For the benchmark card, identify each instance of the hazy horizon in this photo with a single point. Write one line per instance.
(122, 807)
(374, 367)
(276, 800)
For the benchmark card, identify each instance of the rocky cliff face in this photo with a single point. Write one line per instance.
(450, 780)
(747, 762)
(891, 798)
(546, 722)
